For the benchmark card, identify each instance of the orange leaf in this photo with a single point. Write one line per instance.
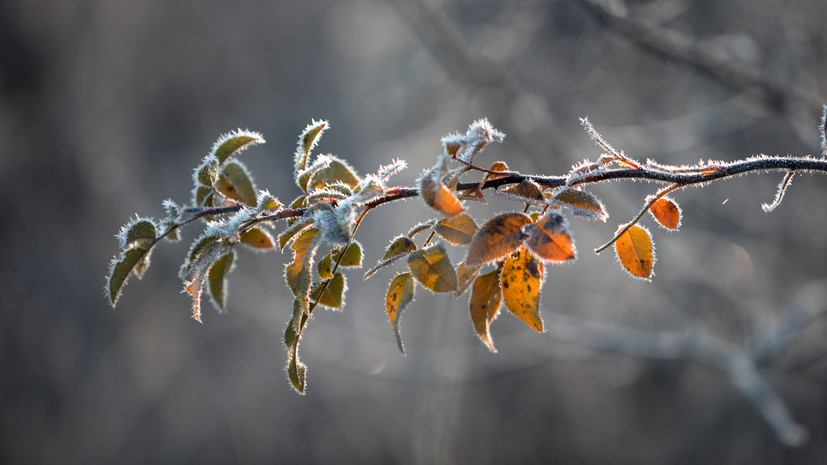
(498, 166)
(636, 251)
(549, 239)
(457, 230)
(486, 297)
(522, 279)
(667, 212)
(497, 238)
(439, 197)
(400, 294)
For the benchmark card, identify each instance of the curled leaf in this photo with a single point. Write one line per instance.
(234, 142)
(236, 183)
(667, 212)
(497, 238)
(439, 197)
(522, 279)
(457, 230)
(121, 268)
(636, 251)
(307, 140)
(400, 294)
(432, 268)
(296, 370)
(217, 280)
(549, 239)
(486, 297)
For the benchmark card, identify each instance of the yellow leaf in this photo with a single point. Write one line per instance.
(522, 279)
(400, 294)
(666, 212)
(297, 273)
(486, 297)
(432, 268)
(457, 230)
(439, 197)
(258, 238)
(581, 203)
(217, 280)
(400, 245)
(636, 251)
(333, 294)
(497, 238)
(336, 171)
(549, 239)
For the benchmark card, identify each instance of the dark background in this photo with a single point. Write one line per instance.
(106, 107)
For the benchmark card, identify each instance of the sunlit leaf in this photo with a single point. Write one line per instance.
(439, 197)
(236, 183)
(307, 140)
(290, 233)
(486, 297)
(465, 276)
(217, 280)
(424, 226)
(549, 239)
(636, 251)
(528, 189)
(258, 239)
(296, 370)
(521, 280)
(498, 166)
(120, 269)
(336, 171)
(580, 203)
(497, 238)
(400, 294)
(333, 294)
(433, 269)
(457, 230)
(140, 230)
(297, 273)
(667, 212)
(234, 142)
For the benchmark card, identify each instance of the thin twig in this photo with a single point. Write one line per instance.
(634, 221)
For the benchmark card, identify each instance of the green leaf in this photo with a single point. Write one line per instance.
(258, 239)
(337, 171)
(236, 183)
(352, 258)
(142, 229)
(234, 142)
(333, 294)
(400, 294)
(307, 140)
(432, 268)
(457, 230)
(120, 269)
(296, 370)
(204, 196)
(217, 280)
(201, 246)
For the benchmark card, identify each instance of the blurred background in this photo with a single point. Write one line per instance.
(106, 107)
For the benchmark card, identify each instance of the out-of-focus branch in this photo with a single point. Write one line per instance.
(680, 48)
(694, 345)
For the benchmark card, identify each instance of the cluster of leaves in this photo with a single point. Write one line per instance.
(506, 257)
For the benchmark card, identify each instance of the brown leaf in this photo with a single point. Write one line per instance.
(580, 203)
(486, 297)
(497, 238)
(636, 252)
(522, 279)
